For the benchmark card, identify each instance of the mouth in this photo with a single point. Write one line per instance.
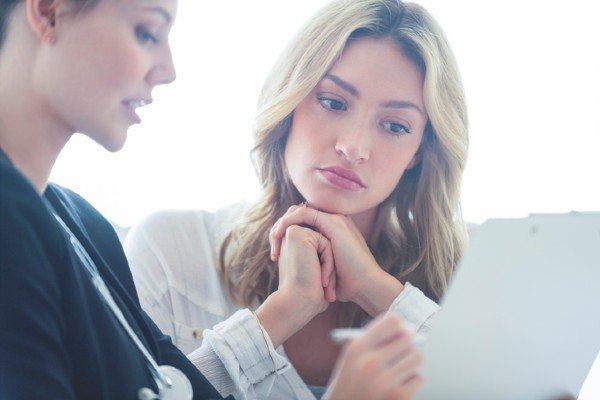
(132, 104)
(342, 177)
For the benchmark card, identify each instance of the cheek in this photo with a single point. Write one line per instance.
(393, 164)
(115, 60)
(294, 153)
(309, 131)
(119, 71)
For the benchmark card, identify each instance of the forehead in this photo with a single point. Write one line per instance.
(166, 7)
(380, 66)
(377, 55)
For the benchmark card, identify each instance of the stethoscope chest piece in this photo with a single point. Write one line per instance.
(179, 387)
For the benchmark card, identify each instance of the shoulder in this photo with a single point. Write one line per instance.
(16, 192)
(198, 231)
(75, 203)
(192, 221)
(23, 216)
(178, 251)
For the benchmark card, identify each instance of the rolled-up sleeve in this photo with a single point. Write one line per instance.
(416, 308)
(238, 357)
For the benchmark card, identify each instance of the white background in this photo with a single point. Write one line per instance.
(531, 71)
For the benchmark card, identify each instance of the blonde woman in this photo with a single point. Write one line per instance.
(361, 141)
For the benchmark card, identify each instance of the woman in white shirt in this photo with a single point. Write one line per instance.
(361, 141)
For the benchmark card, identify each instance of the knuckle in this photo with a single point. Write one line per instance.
(358, 344)
(397, 393)
(418, 358)
(338, 221)
(293, 232)
(369, 365)
(419, 381)
(353, 347)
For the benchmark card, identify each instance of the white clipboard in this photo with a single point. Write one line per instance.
(521, 319)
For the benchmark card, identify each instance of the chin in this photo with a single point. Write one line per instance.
(334, 205)
(115, 146)
(113, 141)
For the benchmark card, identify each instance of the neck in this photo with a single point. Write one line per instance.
(31, 135)
(32, 151)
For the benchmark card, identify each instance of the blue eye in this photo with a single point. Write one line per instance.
(144, 36)
(332, 104)
(395, 128)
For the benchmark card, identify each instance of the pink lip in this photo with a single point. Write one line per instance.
(342, 177)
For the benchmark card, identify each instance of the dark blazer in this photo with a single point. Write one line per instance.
(58, 339)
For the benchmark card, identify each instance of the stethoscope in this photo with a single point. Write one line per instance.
(172, 384)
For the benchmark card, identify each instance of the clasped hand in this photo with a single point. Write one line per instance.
(353, 273)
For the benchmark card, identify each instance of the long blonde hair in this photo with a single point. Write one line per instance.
(421, 232)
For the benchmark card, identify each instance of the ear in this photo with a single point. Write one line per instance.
(41, 15)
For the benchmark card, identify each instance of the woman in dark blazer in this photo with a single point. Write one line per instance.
(75, 66)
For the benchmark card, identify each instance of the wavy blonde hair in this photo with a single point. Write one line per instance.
(420, 228)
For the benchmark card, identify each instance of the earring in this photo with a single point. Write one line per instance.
(49, 38)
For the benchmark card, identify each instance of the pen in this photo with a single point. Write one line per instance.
(342, 335)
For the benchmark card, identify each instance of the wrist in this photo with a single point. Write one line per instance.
(379, 293)
(281, 315)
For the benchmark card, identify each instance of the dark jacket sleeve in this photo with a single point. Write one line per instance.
(33, 360)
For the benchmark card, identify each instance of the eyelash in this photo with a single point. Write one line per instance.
(390, 126)
(403, 128)
(144, 36)
(326, 103)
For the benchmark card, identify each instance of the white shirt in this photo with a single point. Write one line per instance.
(174, 260)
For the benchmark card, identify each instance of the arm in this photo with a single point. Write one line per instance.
(238, 359)
(169, 354)
(246, 344)
(33, 357)
(359, 278)
(160, 247)
(148, 270)
(416, 308)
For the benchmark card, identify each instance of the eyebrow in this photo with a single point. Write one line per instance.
(162, 12)
(343, 84)
(403, 104)
(388, 104)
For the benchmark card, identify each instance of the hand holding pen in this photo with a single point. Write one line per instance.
(381, 363)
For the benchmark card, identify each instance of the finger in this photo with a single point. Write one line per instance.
(326, 257)
(409, 387)
(330, 290)
(381, 330)
(407, 366)
(304, 216)
(392, 352)
(275, 241)
(275, 244)
(327, 267)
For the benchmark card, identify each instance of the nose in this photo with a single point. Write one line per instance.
(163, 72)
(354, 145)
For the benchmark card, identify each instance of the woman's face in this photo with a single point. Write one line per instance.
(104, 63)
(359, 129)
